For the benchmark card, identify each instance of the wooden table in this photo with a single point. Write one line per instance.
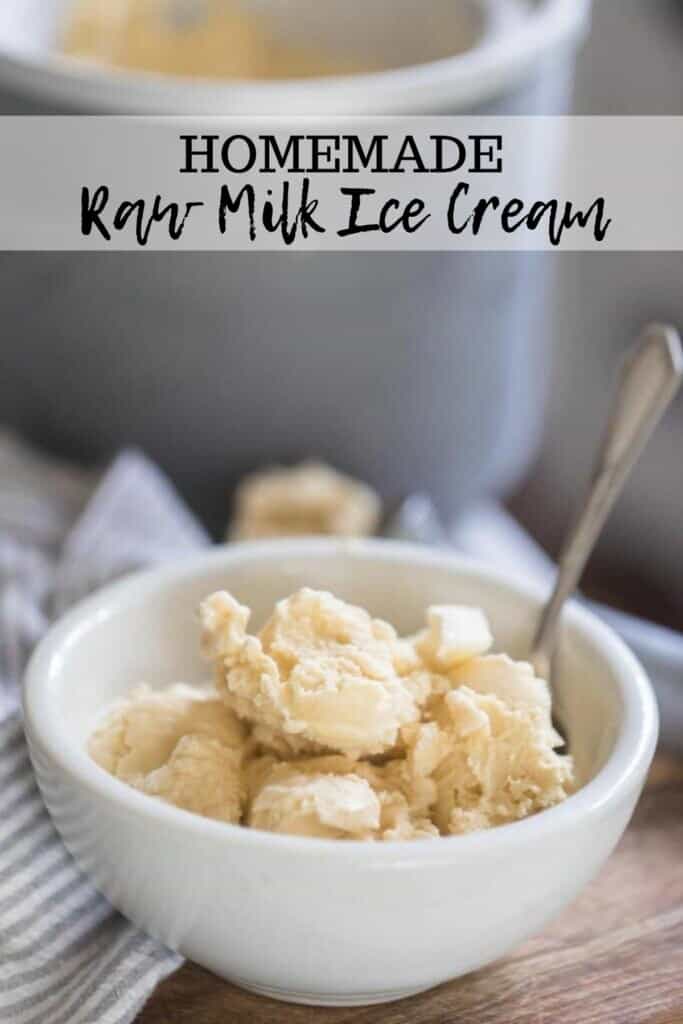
(615, 957)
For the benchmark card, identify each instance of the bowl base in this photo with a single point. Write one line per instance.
(318, 999)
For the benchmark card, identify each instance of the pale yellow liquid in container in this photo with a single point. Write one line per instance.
(227, 41)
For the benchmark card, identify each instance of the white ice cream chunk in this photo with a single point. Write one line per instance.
(310, 498)
(496, 753)
(335, 797)
(454, 634)
(513, 682)
(201, 775)
(180, 744)
(327, 806)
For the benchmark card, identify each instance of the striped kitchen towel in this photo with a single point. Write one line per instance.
(66, 957)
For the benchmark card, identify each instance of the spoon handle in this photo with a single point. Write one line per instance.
(649, 380)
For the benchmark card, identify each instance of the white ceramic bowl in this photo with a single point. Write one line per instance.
(322, 921)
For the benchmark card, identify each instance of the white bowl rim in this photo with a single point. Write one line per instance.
(632, 753)
(472, 76)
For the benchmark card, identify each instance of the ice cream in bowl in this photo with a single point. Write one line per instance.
(324, 770)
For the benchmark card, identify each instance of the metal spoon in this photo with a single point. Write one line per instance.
(650, 378)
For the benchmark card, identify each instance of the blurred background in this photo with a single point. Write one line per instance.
(632, 63)
(465, 376)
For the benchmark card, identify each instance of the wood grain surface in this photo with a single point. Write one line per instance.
(615, 957)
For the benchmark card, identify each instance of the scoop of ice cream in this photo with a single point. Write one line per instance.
(310, 498)
(328, 724)
(202, 776)
(327, 806)
(494, 750)
(399, 821)
(335, 797)
(141, 732)
(406, 799)
(321, 671)
(180, 744)
(514, 683)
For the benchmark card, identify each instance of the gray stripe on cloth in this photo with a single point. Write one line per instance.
(33, 886)
(27, 858)
(81, 952)
(66, 957)
(53, 997)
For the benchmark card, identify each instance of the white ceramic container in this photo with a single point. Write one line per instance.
(322, 921)
(411, 370)
(510, 39)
